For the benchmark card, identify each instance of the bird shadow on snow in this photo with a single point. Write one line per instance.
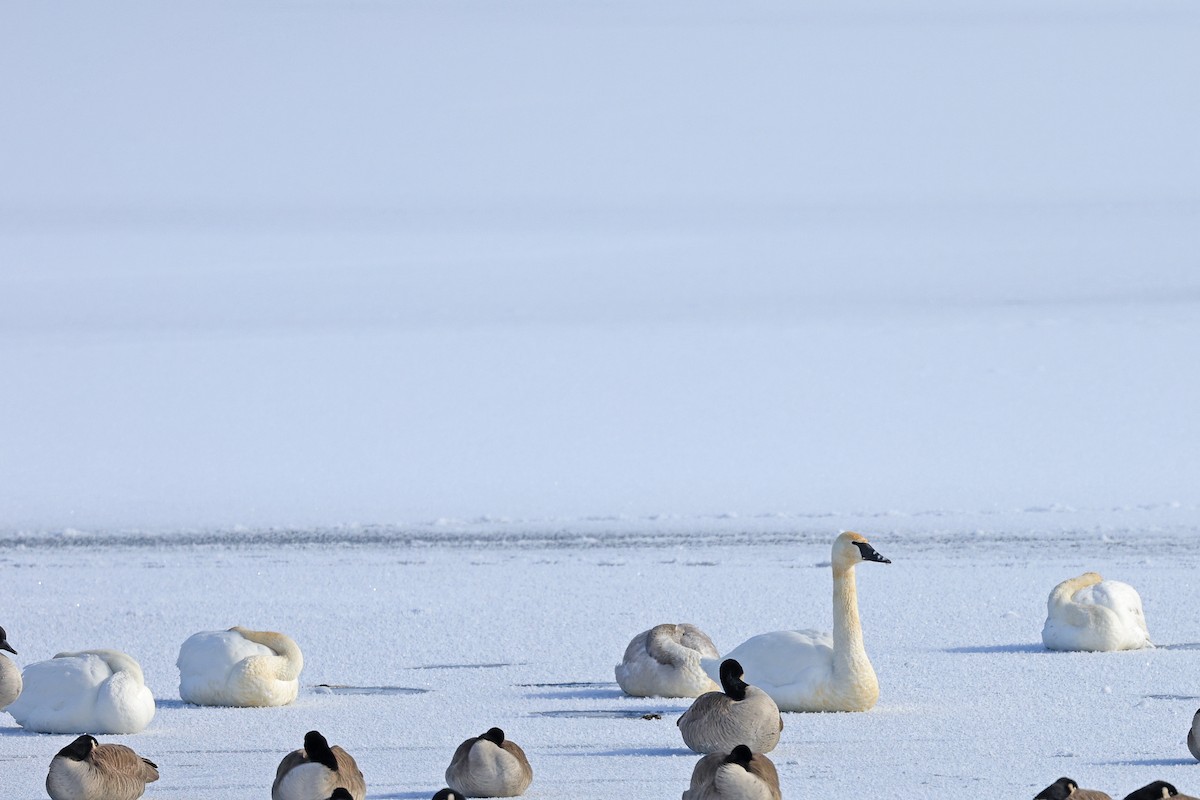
(400, 796)
(999, 648)
(18, 732)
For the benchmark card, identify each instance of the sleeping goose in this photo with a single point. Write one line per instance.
(742, 714)
(1193, 737)
(740, 775)
(1090, 613)
(10, 676)
(101, 691)
(810, 670)
(489, 766)
(341, 794)
(1157, 791)
(316, 770)
(447, 794)
(88, 770)
(1063, 788)
(665, 662)
(239, 667)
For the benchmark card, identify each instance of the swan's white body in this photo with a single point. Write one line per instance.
(810, 670)
(92, 691)
(665, 662)
(1090, 613)
(719, 721)
(239, 667)
(482, 768)
(715, 777)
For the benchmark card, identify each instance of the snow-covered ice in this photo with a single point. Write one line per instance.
(463, 341)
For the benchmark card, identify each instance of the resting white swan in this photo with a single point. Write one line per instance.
(87, 770)
(317, 771)
(10, 676)
(96, 691)
(741, 714)
(1063, 788)
(1193, 737)
(810, 670)
(239, 667)
(740, 775)
(489, 766)
(1090, 613)
(665, 662)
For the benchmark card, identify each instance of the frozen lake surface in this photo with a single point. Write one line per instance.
(413, 644)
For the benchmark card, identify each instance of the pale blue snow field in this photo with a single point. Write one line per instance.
(463, 341)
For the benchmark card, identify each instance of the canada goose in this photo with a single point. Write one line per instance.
(489, 766)
(665, 662)
(316, 770)
(1157, 791)
(1193, 737)
(1090, 613)
(740, 775)
(88, 770)
(741, 714)
(239, 667)
(447, 794)
(101, 691)
(341, 794)
(810, 670)
(1063, 788)
(10, 676)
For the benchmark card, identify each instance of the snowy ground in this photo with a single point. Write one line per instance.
(524, 634)
(465, 340)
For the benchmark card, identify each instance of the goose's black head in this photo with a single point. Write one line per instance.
(1154, 791)
(495, 736)
(447, 794)
(731, 679)
(341, 793)
(741, 756)
(4, 645)
(79, 749)
(1059, 790)
(317, 749)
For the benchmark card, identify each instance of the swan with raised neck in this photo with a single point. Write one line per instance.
(811, 670)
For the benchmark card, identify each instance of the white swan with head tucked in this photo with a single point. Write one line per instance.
(665, 662)
(1090, 613)
(10, 676)
(810, 670)
(92, 691)
(239, 667)
(738, 775)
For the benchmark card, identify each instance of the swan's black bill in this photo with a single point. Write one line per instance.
(870, 554)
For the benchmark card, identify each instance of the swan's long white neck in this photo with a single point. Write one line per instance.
(288, 661)
(849, 653)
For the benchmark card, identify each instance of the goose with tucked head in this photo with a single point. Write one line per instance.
(239, 667)
(489, 766)
(1193, 737)
(97, 691)
(341, 794)
(665, 662)
(88, 770)
(741, 714)
(1157, 791)
(447, 794)
(317, 770)
(1091, 614)
(738, 775)
(10, 676)
(811, 670)
(1064, 788)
